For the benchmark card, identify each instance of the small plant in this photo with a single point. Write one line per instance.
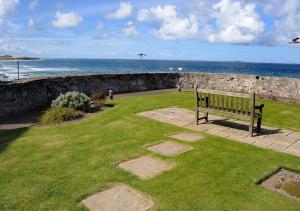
(59, 115)
(76, 100)
(99, 98)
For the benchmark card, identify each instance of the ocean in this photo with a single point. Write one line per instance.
(48, 67)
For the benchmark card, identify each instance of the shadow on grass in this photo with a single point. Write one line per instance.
(22, 120)
(7, 137)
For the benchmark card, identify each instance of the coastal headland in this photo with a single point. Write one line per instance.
(12, 58)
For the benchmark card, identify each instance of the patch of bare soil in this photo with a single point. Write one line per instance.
(285, 182)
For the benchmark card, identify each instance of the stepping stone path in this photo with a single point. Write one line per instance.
(189, 137)
(124, 198)
(169, 148)
(146, 167)
(118, 198)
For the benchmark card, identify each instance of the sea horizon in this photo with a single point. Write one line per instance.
(154, 59)
(60, 66)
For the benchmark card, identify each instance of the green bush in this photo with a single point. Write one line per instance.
(76, 100)
(58, 115)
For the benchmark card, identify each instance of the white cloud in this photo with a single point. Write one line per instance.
(129, 30)
(5, 46)
(100, 26)
(35, 23)
(125, 9)
(172, 26)
(7, 6)
(287, 25)
(33, 4)
(227, 21)
(235, 22)
(15, 47)
(31, 23)
(65, 20)
(10, 46)
(160, 13)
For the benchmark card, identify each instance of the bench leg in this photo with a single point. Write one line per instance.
(251, 126)
(258, 128)
(197, 117)
(251, 130)
(206, 116)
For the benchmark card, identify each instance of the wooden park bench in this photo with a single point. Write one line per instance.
(229, 104)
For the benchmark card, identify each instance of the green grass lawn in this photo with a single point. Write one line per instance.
(54, 168)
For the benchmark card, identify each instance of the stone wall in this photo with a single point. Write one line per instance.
(24, 95)
(277, 88)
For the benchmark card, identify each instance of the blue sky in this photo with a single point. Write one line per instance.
(218, 30)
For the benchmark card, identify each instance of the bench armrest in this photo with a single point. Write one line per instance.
(260, 107)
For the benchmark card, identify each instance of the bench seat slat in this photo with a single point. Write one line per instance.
(227, 114)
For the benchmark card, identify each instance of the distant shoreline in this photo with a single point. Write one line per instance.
(14, 58)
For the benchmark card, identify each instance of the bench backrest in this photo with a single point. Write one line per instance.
(239, 103)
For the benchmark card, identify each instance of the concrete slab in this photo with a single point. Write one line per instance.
(201, 127)
(247, 140)
(118, 198)
(177, 122)
(264, 142)
(281, 140)
(185, 136)
(217, 129)
(145, 167)
(182, 121)
(250, 140)
(295, 135)
(215, 132)
(278, 146)
(293, 149)
(237, 132)
(169, 148)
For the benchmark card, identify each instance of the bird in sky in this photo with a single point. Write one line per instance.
(295, 41)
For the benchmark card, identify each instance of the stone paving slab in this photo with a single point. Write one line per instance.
(200, 127)
(295, 135)
(169, 148)
(169, 116)
(179, 122)
(283, 138)
(277, 139)
(265, 142)
(278, 146)
(145, 167)
(118, 198)
(185, 136)
(293, 149)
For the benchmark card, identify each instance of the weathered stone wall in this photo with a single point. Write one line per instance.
(26, 95)
(278, 88)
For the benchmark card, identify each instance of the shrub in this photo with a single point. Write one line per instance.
(58, 115)
(76, 100)
(99, 97)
